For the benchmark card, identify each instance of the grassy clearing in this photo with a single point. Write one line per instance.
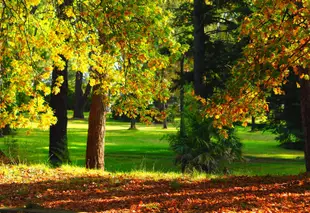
(143, 151)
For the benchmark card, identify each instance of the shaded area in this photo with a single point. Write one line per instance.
(98, 193)
(25, 210)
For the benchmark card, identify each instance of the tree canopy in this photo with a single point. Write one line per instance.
(278, 34)
(119, 40)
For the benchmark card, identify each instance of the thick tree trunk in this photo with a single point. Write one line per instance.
(132, 124)
(182, 82)
(58, 147)
(80, 98)
(96, 132)
(7, 130)
(305, 114)
(199, 48)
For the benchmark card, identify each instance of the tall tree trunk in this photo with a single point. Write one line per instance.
(80, 98)
(253, 125)
(58, 147)
(305, 114)
(199, 47)
(78, 110)
(165, 123)
(96, 132)
(132, 124)
(182, 82)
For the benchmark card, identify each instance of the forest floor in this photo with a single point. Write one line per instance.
(80, 190)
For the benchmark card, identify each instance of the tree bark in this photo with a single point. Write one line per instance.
(96, 132)
(199, 47)
(165, 123)
(78, 110)
(132, 124)
(182, 83)
(7, 130)
(80, 98)
(253, 125)
(305, 114)
(58, 147)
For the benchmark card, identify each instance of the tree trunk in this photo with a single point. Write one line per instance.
(7, 130)
(199, 48)
(253, 125)
(96, 132)
(58, 147)
(132, 124)
(305, 115)
(78, 109)
(182, 82)
(80, 98)
(165, 123)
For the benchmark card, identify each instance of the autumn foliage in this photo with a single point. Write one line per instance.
(95, 192)
(278, 35)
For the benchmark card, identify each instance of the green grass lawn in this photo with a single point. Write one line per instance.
(142, 149)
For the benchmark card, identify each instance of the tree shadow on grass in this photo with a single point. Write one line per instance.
(122, 194)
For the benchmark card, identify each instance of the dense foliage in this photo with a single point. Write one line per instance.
(284, 118)
(203, 148)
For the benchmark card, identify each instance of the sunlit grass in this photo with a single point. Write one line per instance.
(144, 150)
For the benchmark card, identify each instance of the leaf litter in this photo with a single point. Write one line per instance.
(94, 191)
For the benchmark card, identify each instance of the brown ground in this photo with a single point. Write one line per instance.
(106, 193)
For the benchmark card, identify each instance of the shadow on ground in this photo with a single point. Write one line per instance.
(123, 194)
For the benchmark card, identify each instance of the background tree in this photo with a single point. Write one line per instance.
(284, 117)
(80, 96)
(213, 54)
(279, 41)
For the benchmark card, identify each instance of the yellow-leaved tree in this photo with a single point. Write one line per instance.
(119, 42)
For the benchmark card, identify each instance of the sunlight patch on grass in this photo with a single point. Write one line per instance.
(279, 155)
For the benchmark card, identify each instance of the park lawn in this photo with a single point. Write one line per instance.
(144, 150)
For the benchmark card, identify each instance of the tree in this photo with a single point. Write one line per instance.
(279, 47)
(28, 56)
(130, 35)
(80, 97)
(284, 116)
(199, 46)
(24, 66)
(96, 131)
(213, 55)
(118, 40)
(58, 146)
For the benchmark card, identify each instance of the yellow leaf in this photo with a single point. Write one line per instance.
(92, 82)
(56, 90)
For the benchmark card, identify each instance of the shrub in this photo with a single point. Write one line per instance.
(202, 147)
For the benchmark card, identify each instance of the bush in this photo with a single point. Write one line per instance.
(202, 147)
